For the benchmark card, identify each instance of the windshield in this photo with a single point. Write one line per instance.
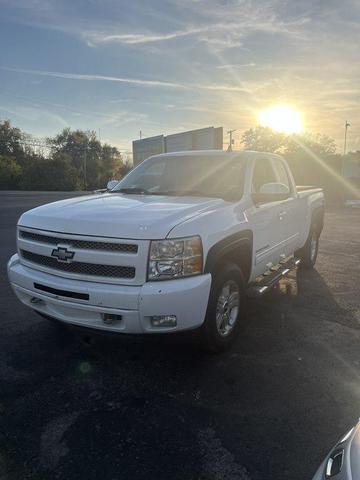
(206, 176)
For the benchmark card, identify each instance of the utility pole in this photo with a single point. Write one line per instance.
(85, 167)
(230, 133)
(347, 124)
(140, 134)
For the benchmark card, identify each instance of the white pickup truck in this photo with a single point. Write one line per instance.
(177, 244)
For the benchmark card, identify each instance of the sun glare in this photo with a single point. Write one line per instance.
(281, 118)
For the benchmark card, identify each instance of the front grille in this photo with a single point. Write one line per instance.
(80, 267)
(86, 244)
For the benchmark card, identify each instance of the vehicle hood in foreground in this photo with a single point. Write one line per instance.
(118, 215)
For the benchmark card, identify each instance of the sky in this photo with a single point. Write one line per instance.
(118, 67)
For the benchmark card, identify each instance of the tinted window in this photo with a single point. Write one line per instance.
(263, 173)
(281, 173)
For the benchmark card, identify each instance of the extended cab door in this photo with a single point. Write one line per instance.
(266, 218)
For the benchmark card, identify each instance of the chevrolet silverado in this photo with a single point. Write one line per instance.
(177, 244)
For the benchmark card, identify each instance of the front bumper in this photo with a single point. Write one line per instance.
(186, 298)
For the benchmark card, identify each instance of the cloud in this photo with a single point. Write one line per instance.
(224, 88)
(218, 34)
(106, 78)
(236, 65)
(139, 38)
(34, 114)
(221, 27)
(131, 81)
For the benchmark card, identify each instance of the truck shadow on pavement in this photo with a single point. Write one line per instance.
(93, 406)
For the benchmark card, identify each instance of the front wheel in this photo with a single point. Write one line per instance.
(225, 310)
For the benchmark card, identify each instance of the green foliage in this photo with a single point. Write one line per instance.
(75, 160)
(10, 173)
(10, 140)
(50, 174)
(265, 139)
(95, 163)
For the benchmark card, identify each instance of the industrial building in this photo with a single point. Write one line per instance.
(208, 138)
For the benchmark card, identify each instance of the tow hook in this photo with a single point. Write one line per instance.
(36, 301)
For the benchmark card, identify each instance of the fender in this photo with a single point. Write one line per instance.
(237, 246)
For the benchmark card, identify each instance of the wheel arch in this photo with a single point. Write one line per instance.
(236, 248)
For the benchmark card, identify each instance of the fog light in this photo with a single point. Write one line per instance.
(164, 321)
(110, 318)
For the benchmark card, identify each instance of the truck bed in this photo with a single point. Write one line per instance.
(308, 188)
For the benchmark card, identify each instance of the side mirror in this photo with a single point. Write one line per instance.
(274, 188)
(111, 184)
(271, 192)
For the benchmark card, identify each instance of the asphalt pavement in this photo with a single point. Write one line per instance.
(77, 406)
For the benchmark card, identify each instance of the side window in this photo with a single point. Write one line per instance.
(263, 173)
(281, 174)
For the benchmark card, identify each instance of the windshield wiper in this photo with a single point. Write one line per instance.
(175, 193)
(133, 190)
(179, 193)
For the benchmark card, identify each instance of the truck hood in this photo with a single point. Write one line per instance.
(118, 215)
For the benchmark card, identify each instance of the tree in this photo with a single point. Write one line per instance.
(74, 159)
(95, 163)
(265, 139)
(10, 173)
(56, 173)
(318, 144)
(11, 142)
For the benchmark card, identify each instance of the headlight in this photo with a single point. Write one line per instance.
(180, 257)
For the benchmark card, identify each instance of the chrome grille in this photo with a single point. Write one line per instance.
(116, 271)
(86, 244)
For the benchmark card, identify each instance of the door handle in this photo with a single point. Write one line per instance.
(281, 215)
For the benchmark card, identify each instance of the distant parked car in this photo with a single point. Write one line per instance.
(343, 461)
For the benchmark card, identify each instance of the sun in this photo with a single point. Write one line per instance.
(282, 118)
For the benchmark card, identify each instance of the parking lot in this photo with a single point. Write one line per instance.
(78, 406)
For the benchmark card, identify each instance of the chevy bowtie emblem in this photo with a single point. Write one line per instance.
(62, 254)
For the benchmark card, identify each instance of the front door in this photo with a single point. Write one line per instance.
(266, 220)
(290, 211)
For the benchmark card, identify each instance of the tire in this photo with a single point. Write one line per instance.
(308, 254)
(223, 320)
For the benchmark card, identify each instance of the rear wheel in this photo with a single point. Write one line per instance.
(308, 254)
(226, 309)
